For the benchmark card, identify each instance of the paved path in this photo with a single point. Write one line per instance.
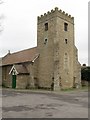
(45, 104)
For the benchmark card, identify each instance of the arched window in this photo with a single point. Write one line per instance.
(66, 61)
(46, 26)
(65, 27)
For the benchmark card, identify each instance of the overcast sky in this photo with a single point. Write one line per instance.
(20, 23)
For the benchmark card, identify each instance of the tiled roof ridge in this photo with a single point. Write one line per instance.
(25, 55)
(22, 50)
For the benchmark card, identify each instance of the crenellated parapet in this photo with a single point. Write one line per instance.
(57, 12)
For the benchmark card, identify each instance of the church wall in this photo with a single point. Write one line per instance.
(22, 81)
(6, 78)
(52, 60)
(77, 68)
(66, 71)
(0, 75)
(32, 77)
(46, 58)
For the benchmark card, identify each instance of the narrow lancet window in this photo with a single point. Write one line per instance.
(65, 27)
(46, 26)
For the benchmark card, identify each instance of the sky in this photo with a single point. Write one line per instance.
(20, 23)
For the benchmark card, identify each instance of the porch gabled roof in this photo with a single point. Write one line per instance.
(19, 69)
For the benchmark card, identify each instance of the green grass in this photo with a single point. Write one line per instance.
(85, 88)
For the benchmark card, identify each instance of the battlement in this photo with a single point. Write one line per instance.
(59, 12)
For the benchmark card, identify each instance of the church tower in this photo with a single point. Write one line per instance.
(58, 64)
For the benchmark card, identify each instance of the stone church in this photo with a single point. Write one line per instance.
(53, 63)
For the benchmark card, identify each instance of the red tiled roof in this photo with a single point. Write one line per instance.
(20, 57)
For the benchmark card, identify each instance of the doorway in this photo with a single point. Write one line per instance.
(13, 81)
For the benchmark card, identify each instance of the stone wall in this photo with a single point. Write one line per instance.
(0, 76)
(32, 77)
(22, 81)
(46, 51)
(6, 78)
(52, 61)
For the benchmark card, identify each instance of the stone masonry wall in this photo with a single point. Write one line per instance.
(52, 61)
(6, 78)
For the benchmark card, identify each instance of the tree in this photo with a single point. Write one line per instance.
(85, 74)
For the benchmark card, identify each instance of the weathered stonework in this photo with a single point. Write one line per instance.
(54, 63)
(52, 54)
